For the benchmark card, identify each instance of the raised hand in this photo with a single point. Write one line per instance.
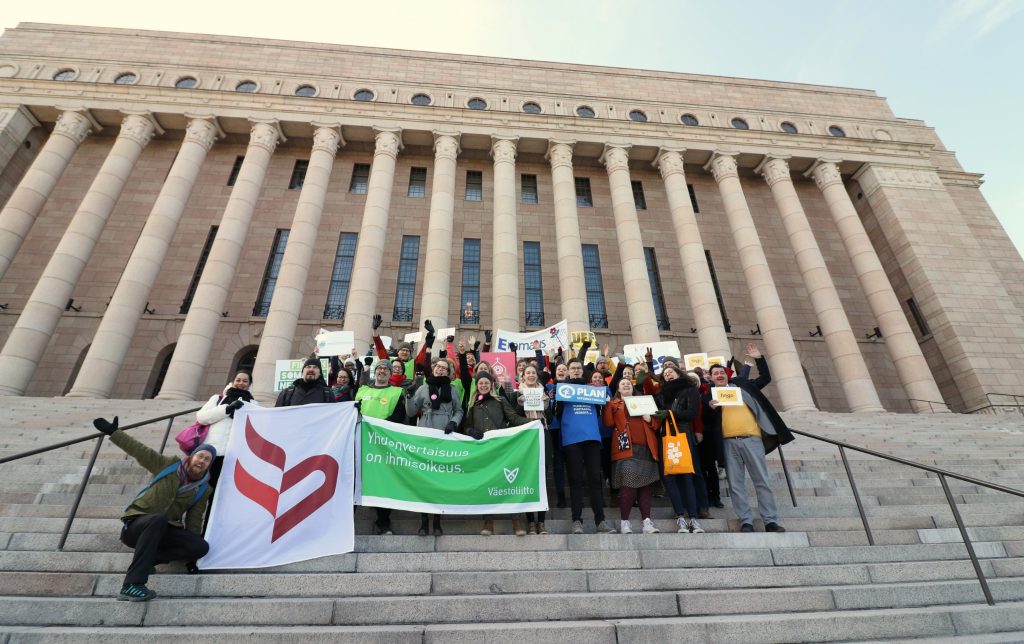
(512, 347)
(753, 351)
(105, 426)
(428, 326)
(377, 319)
(487, 336)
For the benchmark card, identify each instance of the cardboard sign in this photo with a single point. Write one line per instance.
(727, 396)
(288, 371)
(533, 398)
(641, 405)
(694, 360)
(568, 392)
(335, 343)
(660, 351)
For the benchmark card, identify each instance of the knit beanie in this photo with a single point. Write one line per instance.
(484, 375)
(312, 361)
(205, 447)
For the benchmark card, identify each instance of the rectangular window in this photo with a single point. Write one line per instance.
(235, 169)
(417, 182)
(262, 306)
(638, 196)
(718, 292)
(693, 197)
(341, 276)
(595, 287)
(405, 294)
(470, 282)
(659, 296)
(298, 174)
(922, 324)
(198, 273)
(474, 185)
(529, 188)
(360, 178)
(584, 198)
(534, 284)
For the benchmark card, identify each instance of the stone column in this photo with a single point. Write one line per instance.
(113, 339)
(21, 210)
(787, 372)
(36, 324)
(707, 316)
(366, 266)
(286, 304)
(505, 254)
(572, 287)
(911, 366)
(437, 266)
(835, 327)
(643, 321)
(188, 366)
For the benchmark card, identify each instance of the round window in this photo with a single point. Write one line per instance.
(585, 111)
(835, 130)
(531, 108)
(739, 124)
(65, 75)
(638, 116)
(186, 82)
(305, 90)
(246, 86)
(363, 95)
(788, 127)
(689, 119)
(420, 99)
(477, 104)
(126, 79)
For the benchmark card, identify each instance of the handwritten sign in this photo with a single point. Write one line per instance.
(533, 398)
(414, 337)
(641, 405)
(727, 396)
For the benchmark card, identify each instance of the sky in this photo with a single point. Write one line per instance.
(956, 64)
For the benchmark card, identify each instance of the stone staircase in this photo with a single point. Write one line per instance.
(818, 582)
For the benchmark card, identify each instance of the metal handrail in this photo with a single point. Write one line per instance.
(1017, 398)
(942, 474)
(98, 436)
(931, 404)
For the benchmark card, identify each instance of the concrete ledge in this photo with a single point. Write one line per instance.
(532, 633)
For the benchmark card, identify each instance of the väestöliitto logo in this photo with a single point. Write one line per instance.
(510, 475)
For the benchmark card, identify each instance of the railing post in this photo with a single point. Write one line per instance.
(81, 492)
(856, 497)
(967, 541)
(785, 470)
(167, 433)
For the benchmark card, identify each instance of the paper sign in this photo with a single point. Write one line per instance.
(727, 396)
(414, 337)
(694, 360)
(641, 405)
(288, 371)
(442, 334)
(386, 341)
(660, 351)
(713, 360)
(335, 343)
(568, 392)
(503, 364)
(553, 337)
(577, 338)
(533, 398)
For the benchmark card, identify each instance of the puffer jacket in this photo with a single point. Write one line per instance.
(492, 413)
(215, 414)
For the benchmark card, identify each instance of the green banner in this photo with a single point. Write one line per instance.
(423, 470)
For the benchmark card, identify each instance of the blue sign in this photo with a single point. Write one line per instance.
(567, 392)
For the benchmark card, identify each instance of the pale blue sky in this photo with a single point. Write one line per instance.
(954, 64)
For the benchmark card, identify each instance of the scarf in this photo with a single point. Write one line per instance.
(670, 389)
(184, 483)
(440, 390)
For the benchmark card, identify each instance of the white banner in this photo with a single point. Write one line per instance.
(660, 350)
(553, 337)
(285, 491)
(335, 343)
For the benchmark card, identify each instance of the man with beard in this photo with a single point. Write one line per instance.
(307, 390)
(162, 524)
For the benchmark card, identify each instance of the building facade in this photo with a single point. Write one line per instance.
(175, 206)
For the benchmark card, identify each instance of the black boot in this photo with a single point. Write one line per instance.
(424, 525)
(437, 526)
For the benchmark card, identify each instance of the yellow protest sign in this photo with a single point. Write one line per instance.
(694, 360)
(727, 396)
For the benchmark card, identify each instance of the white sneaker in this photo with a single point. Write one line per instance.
(625, 527)
(683, 526)
(577, 527)
(649, 527)
(695, 527)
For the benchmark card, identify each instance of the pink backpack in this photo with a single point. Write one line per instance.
(192, 436)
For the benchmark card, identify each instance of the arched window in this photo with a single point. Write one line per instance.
(244, 360)
(160, 366)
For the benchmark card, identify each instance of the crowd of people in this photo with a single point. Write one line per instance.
(588, 446)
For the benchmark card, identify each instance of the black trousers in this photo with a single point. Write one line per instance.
(156, 542)
(215, 468)
(583, 463)
(710, 452)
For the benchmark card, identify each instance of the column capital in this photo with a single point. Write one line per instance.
(138, 128)
(560, 152)
(266, 134)
(503, 148)
(825, 173)
(670, 161)
(774, 168)
(327, 137)
(446, 145)
(722, 165)
(204, 130)
(615, 156)
(76, 123)
(388, 141)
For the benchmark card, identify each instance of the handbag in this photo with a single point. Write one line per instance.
(192, 436)
(676, 448)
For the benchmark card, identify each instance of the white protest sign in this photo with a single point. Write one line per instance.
(386, 341)
(533, 398)
(727, 396)
(694, 360)
(553, 337)
(335, 343)
(442, 334)
(288, 371)
(641, 405)
(660, 350)
(414, 337)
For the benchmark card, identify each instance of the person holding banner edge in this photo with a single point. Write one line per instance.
(382, 399)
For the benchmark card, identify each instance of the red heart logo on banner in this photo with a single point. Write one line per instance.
(267, 496)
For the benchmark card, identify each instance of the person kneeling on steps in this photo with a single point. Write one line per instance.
(163, 523)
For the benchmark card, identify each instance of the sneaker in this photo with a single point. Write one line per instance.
(532, 528)
(746, 527)
(649, 527)
(683, 525)
(605, 528)
(695, 527)
(135, 593)
(540, 528)
(488, 528)
(577, 527)
(625, 527)
(721, 474)
(773, 527)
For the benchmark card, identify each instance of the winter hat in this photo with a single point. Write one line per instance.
(205, 447)
(484, 375)
(403, 345)
(311, 361)
(381, 361)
